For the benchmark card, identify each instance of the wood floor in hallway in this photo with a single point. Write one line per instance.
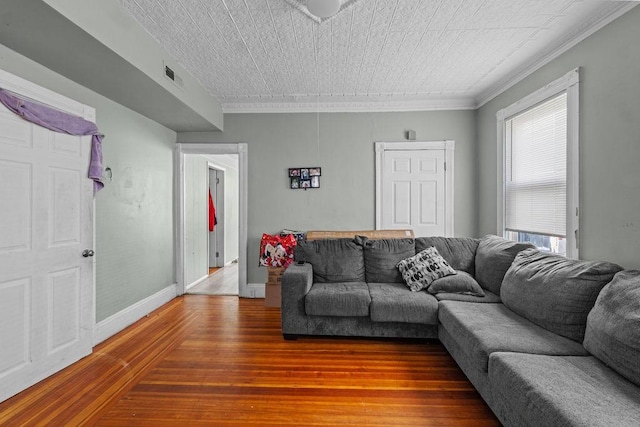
(216, 361)
(222, 281)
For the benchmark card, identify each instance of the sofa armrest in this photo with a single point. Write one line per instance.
(296, 282)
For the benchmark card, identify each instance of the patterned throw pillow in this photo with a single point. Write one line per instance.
(423, 268)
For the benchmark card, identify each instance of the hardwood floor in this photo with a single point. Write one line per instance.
(223, 281)
(202, 360)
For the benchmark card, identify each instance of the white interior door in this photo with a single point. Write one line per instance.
(216, 237)
(220, 209)
(414, 189)
(46, 222)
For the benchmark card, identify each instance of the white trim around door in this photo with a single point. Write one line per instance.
(447, 145)
(242, 150)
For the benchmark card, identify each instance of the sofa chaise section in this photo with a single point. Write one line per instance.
(531, 390)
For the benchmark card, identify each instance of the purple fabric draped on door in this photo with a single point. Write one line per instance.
(61, 122)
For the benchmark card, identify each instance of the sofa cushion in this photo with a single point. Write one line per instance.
(613, 326)
(381, 257)
(553, 291)
(460, 252)
(459, 283)
(423, 268)
(333, 260)
(493, 258)
(561, 391)
(489, 297)
(338, 299)
(394, 302)
(482, 329)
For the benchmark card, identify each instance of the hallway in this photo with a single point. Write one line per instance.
(223, 281)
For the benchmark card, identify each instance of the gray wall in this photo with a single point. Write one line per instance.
(346, 199)
(609, 140)
(134, 212)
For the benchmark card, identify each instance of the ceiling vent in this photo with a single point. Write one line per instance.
(172, 76)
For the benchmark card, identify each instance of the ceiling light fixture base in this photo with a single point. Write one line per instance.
(323, 8)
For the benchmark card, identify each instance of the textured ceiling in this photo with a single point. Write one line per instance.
(272, 55)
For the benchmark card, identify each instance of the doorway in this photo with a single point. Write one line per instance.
(414, 187)
(222, 227)
(210, 151)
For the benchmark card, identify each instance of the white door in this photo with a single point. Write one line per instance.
(216, 237)
(219, 234)
(46, 221)
(414, 188)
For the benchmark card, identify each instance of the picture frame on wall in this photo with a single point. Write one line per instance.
(304, 178)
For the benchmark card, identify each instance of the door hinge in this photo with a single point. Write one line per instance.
(445, 166)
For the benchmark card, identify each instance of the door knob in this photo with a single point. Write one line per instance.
(87, 253)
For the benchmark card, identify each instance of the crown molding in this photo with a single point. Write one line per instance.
(616, 10)
(350, 106)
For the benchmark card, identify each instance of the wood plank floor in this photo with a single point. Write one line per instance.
(223, 281)
(216, 361)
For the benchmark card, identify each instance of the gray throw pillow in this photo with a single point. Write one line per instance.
(555, 292)
(381, 257)
(460, 283)
(333, 260)
(493, 258)
(613, 326)
(423, 268)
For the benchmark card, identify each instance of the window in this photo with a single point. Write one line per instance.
(539, 157)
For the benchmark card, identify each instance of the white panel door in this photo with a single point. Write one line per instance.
(216, 237)
(413, 191)
(46, 221)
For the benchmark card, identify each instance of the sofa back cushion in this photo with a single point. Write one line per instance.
(613, 326)
(555, 292)
(381, 257)
(459, 252)
(333, 260)
(493, 258)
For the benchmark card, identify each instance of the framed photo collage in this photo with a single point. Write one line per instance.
(304, 178)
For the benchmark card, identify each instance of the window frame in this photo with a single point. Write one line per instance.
(569, 83)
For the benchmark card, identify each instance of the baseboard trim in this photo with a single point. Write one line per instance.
(196, 282)
(256, 290)
(114, 324)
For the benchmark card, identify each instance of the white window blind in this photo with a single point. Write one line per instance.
(536, 169)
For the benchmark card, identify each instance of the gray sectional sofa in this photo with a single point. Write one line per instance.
(553, 341)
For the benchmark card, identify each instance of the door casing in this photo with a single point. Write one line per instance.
(242, 150)
(447, 145)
